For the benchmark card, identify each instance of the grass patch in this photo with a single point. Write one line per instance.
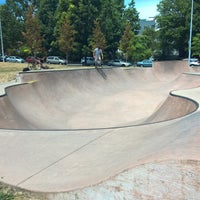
(9, 193)
(8, 70)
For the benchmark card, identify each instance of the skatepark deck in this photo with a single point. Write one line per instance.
(112, 133)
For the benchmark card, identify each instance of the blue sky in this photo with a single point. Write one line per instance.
(146, 8)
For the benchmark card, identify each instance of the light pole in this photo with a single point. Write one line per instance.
(2, 48)
(190, 40)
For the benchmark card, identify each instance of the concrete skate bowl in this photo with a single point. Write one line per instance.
(91, 99)
(109, 133)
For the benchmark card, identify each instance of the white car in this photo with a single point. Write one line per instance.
(56, 60)
(193, 62)
(119, 63)
(15, 59)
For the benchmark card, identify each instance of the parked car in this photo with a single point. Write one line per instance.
(3, 58)
(193, 61)
(144, 63)
(119, 63)
(32, 59)
(89, 61)
(56, 60)
(15, 59)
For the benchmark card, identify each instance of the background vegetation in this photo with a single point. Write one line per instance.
(72, 28)
(9, 193)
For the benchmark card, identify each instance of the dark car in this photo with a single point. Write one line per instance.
(119, 63)
(144, 63)
(89, 61)
(32, 59)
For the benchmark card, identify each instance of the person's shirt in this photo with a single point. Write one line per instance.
(98, 52)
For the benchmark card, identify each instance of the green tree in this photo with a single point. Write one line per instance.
(132, 16)
(66, 35)
(196, 45)
(11, 30)
(141, 50)
(32, 32)
(46, 15)
(19, 8)
(196, 17)
(174, 23)
(126, 42)
(98, 38)
(150, 38)
(81, 14)
(13, 15)
(84, 22)
(134, 47)
(196, 30)
(112, 24)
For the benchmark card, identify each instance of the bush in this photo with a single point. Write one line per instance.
(6, 196)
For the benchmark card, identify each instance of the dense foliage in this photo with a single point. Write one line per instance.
(174, 24)
(64, 27)
(72, 28)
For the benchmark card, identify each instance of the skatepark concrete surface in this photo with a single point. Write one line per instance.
(106, 134)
